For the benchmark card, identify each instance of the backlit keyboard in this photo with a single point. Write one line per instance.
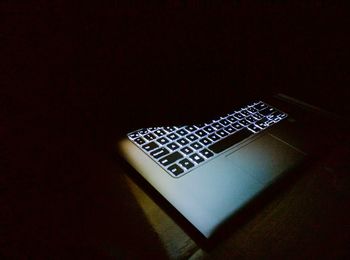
(180, 149)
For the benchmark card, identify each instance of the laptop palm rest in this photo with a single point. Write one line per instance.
(266, 158)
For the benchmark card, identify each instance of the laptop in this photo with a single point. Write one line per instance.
(210, 171)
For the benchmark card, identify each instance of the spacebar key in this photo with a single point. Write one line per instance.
(230, 140)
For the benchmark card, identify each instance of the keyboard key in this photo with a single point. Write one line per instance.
(200, 125)
(215, 120)
(244, 122)
(192, 137)
(140, 140)
(283, 115)
(171, 158)
(196, 145)
(190, 128)
(267, 111)
(244, 112)
(230, 141)
(260, 106)
(273, 116)
(230, 129)
(159, 132)
(206, 153)
(217, 125)
(143, 131)
(163, 140)
(175, 169)
(173, 136)
(269, 122)
(134, 135)
(186, 164)
(205, 141)
(251, 119)
(252, 109)
(221, 133)
(196, 158)
(224, 122)
(149, 137)
(262, 123)
(238, 116)
(170, 128)
(173, 146)
(150, 146)
(210, 122)
(182, 132)
(186, 150)
(231, 119)
(159, 152)
(214, 137)
(236, 126)
(276, 116)
(182, 141)
(209, 129)
(200, 133)
(257, 116)
(254, 128)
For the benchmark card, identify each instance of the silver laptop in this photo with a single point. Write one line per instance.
(210, 171)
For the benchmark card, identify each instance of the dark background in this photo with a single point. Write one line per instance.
(76, 76)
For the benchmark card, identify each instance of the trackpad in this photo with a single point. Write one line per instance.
(266, 158)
